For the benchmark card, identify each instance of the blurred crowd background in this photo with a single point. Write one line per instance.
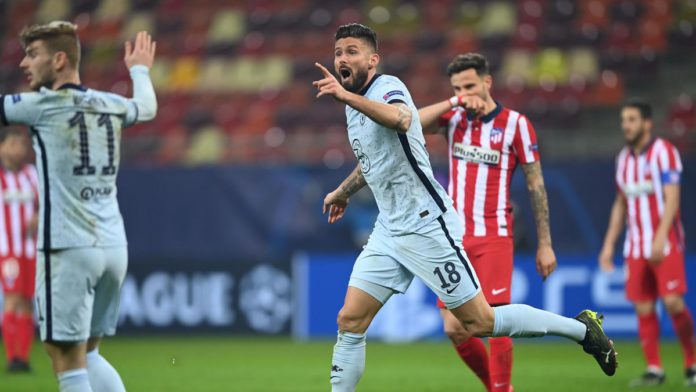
(221, 194)
(234, 77)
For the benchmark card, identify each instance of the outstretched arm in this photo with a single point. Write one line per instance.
(430, 114)
(139, 58)
(546, 258)
(336, 202)
(395, 116)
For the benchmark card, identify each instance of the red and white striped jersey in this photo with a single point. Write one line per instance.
(19, 194)
(640, 179)
(484, 153)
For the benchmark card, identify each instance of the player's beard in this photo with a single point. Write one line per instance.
(358, 80)
(44, 77)
(635, 140)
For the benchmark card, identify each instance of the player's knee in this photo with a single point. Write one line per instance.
(644, 308)
(456, 332)
(11, 302)
(482, 325)
(674, 304)
(351, 322)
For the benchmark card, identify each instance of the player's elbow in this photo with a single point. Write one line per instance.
(404, 122)
(146, 110)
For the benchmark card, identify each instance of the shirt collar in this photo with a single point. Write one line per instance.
(490, 116)
(367, 87)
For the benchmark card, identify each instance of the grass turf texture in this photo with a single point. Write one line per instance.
(254, 364)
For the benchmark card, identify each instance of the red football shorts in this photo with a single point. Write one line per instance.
(648, 282)
(17, 276)
(492, 259)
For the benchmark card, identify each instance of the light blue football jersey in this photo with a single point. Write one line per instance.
(76, 135)
(396, 165)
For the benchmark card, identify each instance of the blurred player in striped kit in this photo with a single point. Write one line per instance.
(487, 142)
(648, 175)
(18, 221)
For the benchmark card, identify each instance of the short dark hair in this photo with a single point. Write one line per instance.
(59, 36)
(638, 103)
(356, 30)
(466, 61)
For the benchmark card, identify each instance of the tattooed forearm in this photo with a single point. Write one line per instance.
(354, 182)
(540, 204)
(404, 117)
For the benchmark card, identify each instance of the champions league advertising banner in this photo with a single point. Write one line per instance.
(320, 282)
(229, 297)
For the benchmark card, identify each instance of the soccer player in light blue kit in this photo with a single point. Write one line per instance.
(417, 231)
(82, 256)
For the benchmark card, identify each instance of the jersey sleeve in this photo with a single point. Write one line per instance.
(670, 165)
(443, 121)
(525, 142)
(392, 92)
(143, 106)
(21, 108)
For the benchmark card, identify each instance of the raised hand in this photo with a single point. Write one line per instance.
(142, 52)
(329, 85)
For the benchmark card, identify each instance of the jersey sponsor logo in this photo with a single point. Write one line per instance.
(475, 154)
(450, 291)
(18, 196)
(638, 189)
(10, 271)
(533, 147)
(393, 93)
(88, 193)
(362, 158)
(672, 284)
(16, 98)
(498, 291)
(496, 135)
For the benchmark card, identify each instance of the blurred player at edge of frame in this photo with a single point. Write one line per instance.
(417, 231)
(648, 177)
(18, 221)
(487, 141)
(82, 252)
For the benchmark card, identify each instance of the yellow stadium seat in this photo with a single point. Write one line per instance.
(228, 26)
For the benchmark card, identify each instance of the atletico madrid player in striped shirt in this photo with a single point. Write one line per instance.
(18, 221)
(487, 142)
(648, 173)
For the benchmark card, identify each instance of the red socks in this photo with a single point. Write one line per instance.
(500, 363)
(9, 334)
(684, 328)
(473, 352)
(17, 335)
(25, 336)
(649, 333)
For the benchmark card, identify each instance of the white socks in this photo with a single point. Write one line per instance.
(525, 321)
(75, 380)
(102, 376)
(348, 361)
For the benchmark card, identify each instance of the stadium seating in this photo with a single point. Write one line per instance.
(232, 68)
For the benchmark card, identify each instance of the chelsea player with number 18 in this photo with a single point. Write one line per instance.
(417, 231)
(82, 255)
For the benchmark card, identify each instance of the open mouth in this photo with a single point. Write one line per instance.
(345, 73)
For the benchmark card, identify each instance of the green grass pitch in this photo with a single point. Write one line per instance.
(274, 365)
